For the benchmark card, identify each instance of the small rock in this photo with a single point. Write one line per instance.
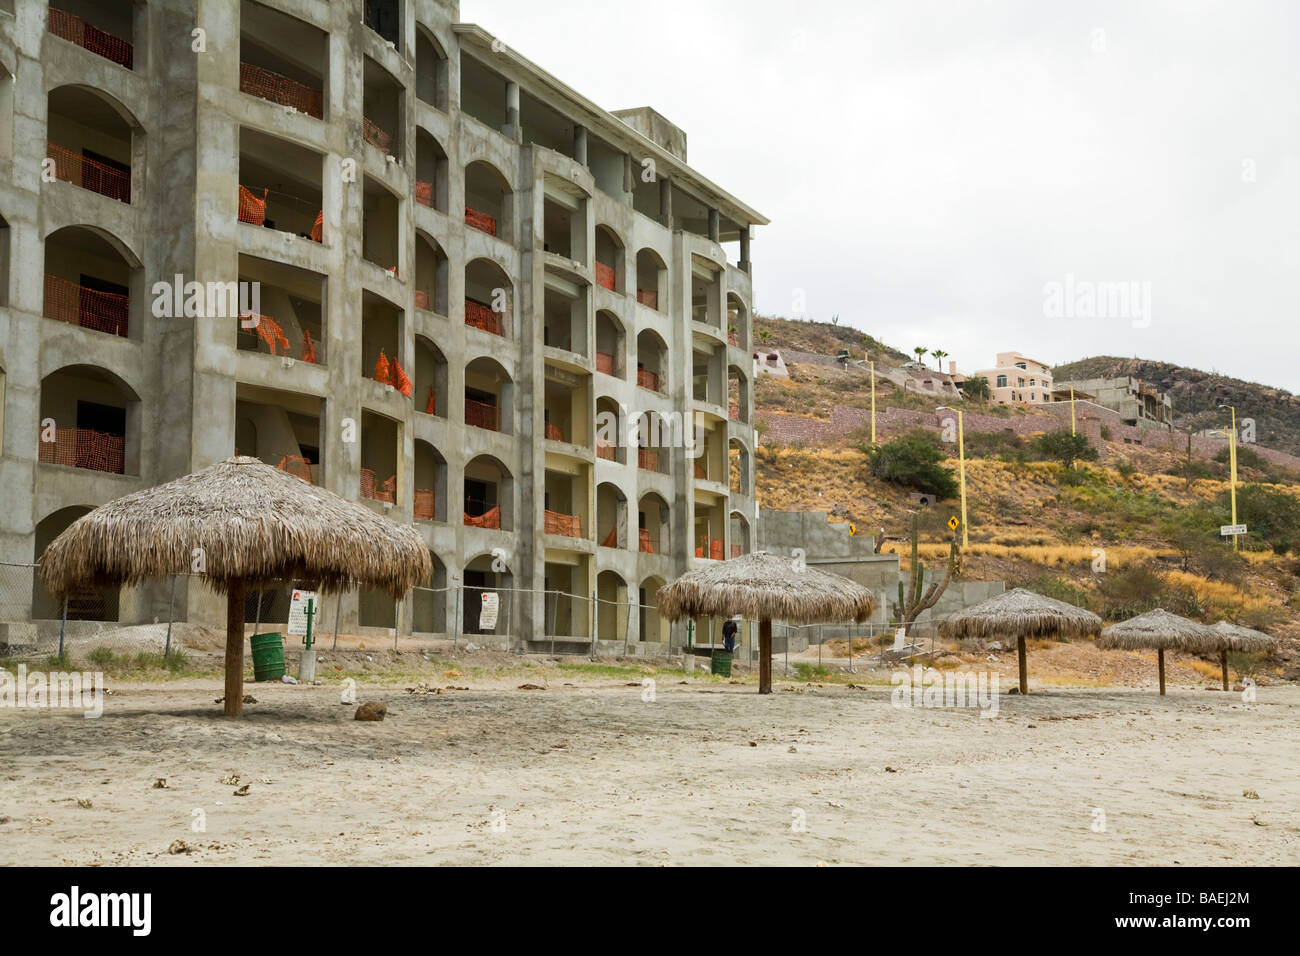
(530, 687)
(4, 820)
(1250, 794)
(250, 699)
(178, 846)
(753, 743)
(371, 710)
(792, 750)
(1239, 687)
(242, 791)
(230, 781)
(995, 645)
(160, 783)
(891, 770)
(85, 803)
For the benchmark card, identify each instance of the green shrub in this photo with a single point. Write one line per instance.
(1271, 514)
(912, 461)
(1064, 447)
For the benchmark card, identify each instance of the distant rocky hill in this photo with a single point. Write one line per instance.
(1197, 395)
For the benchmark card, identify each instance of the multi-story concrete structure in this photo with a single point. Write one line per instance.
(1136, 402)
(463, 265)
(1018, 380)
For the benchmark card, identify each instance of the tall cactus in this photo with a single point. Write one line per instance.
(919, 597)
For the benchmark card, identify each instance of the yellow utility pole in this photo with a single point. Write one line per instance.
(961, 468)
(873, 404)
(1074, 431)
(1232, 466)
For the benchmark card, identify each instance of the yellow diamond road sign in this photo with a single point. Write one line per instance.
(953, 522)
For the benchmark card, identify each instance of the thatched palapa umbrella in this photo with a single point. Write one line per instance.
(1162, 631)
(1243, 639)
(250, 524)
(1020, 614)
(766, 587)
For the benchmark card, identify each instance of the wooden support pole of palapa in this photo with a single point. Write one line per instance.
(1223, 665)
(765, 656)
(1161, 655)
(1024, 670)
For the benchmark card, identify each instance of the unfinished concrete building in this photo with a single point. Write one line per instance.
(462, 268)
(1136, 402)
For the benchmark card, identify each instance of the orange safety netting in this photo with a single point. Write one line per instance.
(732, 340)
(297, 466)
(381, 492)
(650, 299)
(392, 374)
(606, 450)
(604, 276)
(611, 539)
(701, 471)
(424, 193)
(481, 317)
(421, 299)
(647, 460)
(383, 374)
(424, 502)
(488, 519)
(605, 363)
(735, 550)
(733, 412)
(318, 230)
(568, 525)
(268, 330)
(400, 380)
(76, 30)
(481, 415)
(647, 379)
(431, 406)
(375, 136)
(252, 209)
(308, 347)
(554, 432)
(90, 173)
(481, 221)
(89, 308)
(280, 89)
(713, 547)
(85, 448)
(643, 542)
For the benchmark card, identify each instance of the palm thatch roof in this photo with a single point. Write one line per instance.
(1020, 613)
(254, 523)
(1160, 630)
(1245, 639)
(763, 586)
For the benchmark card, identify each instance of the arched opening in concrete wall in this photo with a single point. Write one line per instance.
(430, 499)
(382, 335)
(738, 395)
(381, 449)
(280, 185)
(385, 18)
(283, 59)
(430, 378)
(112, 29)
(282, 428)
(739, 534)
(89, 140)
(85, 604)
(610, 260)
(653, 626)
(612, 606)
(611, 345)
(657, 435)
(651, 361)
(432, 70)
(90, 419)
(611, 516)
(740, 477)
(485, 574)
(288, 316)
(738, 328)
(611, 431)
(489, 494)
(489, 396)
(381, 226)
(430, 172)
(564, 318)
(706, 293)
(429, 602)
(482, 92)
(651, 280)
(566, 415)
(489, 296)
(489, 200)
(383, 110)
(91, 281)
(431, 275)
(654, 527)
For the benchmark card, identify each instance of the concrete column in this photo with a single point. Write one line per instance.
(744, 249)
(512, 127)
(715, 225)
(666, 203)
(580, 144)
(629, 178)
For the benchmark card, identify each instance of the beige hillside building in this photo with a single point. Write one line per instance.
(464, 267)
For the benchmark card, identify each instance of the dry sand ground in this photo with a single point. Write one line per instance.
(707, 773)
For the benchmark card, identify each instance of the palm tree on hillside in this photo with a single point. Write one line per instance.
(939, 356)
(920, 355)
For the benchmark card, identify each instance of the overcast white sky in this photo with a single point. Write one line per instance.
(929, 165)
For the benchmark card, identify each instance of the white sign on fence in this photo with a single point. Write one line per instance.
(487, 615)
(1228, 530)
(298, 610)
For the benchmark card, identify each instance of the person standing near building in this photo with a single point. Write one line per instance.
(729, 630)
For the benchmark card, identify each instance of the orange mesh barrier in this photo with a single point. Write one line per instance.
(308, 348)
(605, 450)
(297, 466)
(715, 549)
(488, 519)
(380, 492)
(85, 448)
(280, 89)
(647, 379)
(400, 380)
(367, 483)
(733, 412)
(76, 30)
(481, 221)
(481, 317)
(701, 472)
(388, 490)
(732, 340)
(605, 276)
(650, 299)
(735, 550)
(647, 459)
(554, 433)
(318, 230)
(481, 415)
(375, 136)
(643, 542)
(431, 406)
(605, 363)
(89, 308)
(383, 374)
(90, 173)
(421, 299)
(699, 552)
(252, 209)
(268, 330)
(424, 193)
(611, 539)
(568, 525)
(424, 502)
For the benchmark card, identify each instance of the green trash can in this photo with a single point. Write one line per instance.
(722, 663)
(268, 656)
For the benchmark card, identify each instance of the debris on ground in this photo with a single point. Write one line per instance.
(371, 710)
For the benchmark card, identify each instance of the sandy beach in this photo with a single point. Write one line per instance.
(706, 772)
